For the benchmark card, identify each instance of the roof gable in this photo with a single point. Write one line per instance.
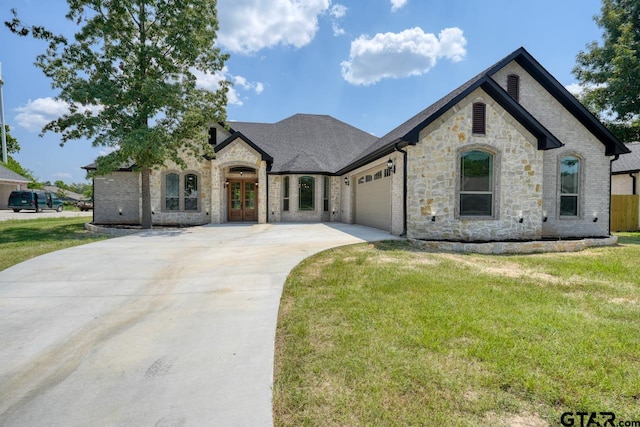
(238, 135)
(7, 175)
(566, 99)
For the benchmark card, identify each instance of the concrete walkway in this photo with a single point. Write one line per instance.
(163, 328)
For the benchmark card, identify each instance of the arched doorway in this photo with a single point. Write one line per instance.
(242, 194)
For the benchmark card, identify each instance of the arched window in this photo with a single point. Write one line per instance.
(569, 185)
(285, 193)
(190, 192)
(513, 86)
(307, 191)
(476, 183)
(172, 192)
(479, 123)
(181, 192)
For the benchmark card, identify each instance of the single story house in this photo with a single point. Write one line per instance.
(10, 181)
(625, 172)
(510, 154)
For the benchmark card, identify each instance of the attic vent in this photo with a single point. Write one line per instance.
(479, 118)
(513, 86)
(212, 136)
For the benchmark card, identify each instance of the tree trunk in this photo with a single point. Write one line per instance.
(146, 199)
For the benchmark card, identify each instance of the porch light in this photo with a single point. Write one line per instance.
(226, 183)
(256, 183)
(346, 181)
(595, 217)
(119, 211)
(520, 217)
(433, 218)
(544, 216)
(391, 166)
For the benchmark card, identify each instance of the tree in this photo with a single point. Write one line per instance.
(13, 147)
(128, 78)
(610, 72)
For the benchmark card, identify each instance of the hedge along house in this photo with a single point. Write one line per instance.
(509, 155)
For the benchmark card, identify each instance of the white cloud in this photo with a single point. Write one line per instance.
(212, 82)
(338, 11)
(397, 4)
(337, 30)
(37, 113)
(247, 26)
(396, 55)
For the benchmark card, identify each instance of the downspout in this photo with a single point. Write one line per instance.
(267, 195)
(404, 189)
(633, 182)
(615, 157)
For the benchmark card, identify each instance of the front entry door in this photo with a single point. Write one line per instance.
(242, 205)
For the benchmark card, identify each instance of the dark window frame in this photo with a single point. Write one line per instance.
(465, 195)
(306, 193)
(286, 184)
(566, 195)
(326, 193)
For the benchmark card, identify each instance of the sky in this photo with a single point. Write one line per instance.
(370, 63)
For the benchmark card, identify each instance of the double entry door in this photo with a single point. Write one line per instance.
(242, 200)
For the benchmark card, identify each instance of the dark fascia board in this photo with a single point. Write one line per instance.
(324, 173)
(381, 152)
(627, 172)
(568, 101)
(235, 135)
(93, 167)
(546, 140)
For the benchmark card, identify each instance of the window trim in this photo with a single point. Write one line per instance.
(312, 191)
(578, 195)
(286, 190)
(495, 193)
(326, 193)
(182, 176)
(479, 118)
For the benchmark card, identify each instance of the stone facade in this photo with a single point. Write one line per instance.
(433, 177)
(117, 198)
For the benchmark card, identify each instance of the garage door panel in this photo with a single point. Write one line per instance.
(373, 199)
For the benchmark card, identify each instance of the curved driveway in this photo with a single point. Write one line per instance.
(162, 328)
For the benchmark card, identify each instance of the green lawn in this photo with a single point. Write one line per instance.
(382, 334)
(21, 240)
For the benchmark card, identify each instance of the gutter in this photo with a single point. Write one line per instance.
(615, 157)
(404, 189)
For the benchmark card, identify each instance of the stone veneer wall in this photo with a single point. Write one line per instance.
(433, 177)
(196, 165)
(594, 195)
(237, 154)
(294, 214)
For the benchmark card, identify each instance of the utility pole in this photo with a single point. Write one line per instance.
(3, 131)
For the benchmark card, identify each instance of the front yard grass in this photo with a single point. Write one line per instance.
(21, 240)
(382, 334)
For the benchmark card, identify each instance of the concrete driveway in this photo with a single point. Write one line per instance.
(162, 328)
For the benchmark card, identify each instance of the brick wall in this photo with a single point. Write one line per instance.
(594, 194)
(117, 198)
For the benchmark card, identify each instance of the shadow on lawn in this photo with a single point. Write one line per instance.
(53, 233)
(628, 238)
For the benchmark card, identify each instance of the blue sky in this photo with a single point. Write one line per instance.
(372, 64)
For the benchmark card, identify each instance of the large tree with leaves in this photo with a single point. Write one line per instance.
(610, 72)
(128, 78)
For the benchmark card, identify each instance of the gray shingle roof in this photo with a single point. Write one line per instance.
(629, 162)
(307, 142)
(7, 175)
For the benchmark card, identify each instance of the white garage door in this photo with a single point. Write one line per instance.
(373, 198)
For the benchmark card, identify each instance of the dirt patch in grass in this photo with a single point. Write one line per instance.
(519, 420)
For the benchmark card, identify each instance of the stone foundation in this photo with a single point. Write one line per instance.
(525, 247)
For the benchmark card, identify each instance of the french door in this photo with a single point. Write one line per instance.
(242, 200)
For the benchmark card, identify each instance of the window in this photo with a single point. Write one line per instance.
(479, 118)
(368, 178)
(307, 189)
(513, 86)
(378, 175)
(326, 192)
(172, 192)
(190, 192)
(181, 192)
(285, 194)
(569, 185)
(476, 183)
